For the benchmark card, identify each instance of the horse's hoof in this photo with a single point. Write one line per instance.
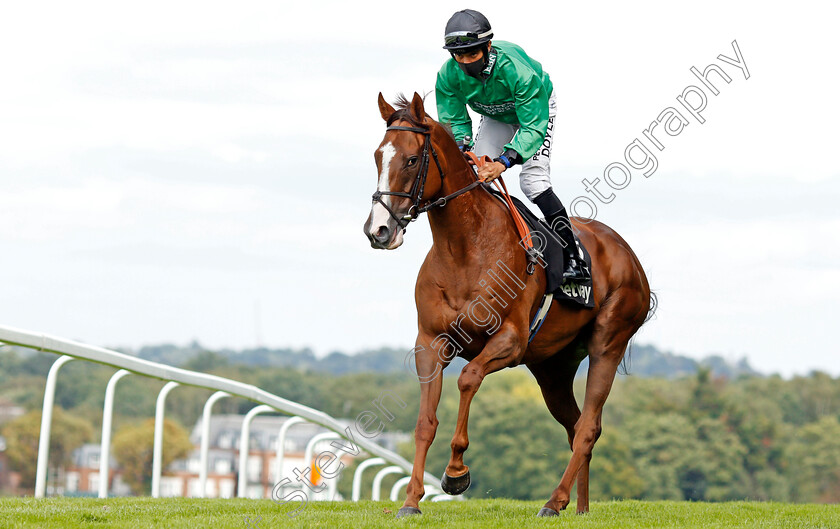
(455, 486)
(407, 511)
(545, 511)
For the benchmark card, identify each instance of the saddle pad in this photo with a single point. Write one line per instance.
(547, 243)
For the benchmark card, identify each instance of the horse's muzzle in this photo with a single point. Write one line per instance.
(380, 237)
(383, 236)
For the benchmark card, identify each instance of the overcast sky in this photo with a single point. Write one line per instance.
(202, 170)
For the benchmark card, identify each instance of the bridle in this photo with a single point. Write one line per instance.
(416, 193)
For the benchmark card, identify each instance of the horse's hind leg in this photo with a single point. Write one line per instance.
(614, 326)
(556, 378)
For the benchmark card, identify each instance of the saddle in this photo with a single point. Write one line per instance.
(549, 249)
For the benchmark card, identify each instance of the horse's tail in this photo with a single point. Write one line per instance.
(624, 368)
(654, 304)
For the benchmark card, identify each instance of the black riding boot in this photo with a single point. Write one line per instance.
(558, 220)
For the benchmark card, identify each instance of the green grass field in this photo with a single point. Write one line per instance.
(136, 513)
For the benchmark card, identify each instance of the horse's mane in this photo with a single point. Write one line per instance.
(402, 104)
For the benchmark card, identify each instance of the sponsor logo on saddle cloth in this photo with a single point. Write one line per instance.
(576, 291)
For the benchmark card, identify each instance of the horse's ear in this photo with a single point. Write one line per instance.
(417, 109)
(384, 108)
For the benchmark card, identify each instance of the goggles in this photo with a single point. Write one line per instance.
(464, 38)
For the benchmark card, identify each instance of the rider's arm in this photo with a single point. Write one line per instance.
(452, 110)
(532, 113)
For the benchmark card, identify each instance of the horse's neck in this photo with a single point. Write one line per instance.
(457, 226)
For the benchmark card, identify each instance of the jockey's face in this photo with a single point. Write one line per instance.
(468, 56)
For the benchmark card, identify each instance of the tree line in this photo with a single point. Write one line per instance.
(700, 436)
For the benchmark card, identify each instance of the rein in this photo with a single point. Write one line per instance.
(521, 226)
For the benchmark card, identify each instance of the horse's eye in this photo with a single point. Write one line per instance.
(412, 161)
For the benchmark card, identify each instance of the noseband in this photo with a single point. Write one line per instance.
(416, 193)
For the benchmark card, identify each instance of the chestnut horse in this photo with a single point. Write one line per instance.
(487, 323)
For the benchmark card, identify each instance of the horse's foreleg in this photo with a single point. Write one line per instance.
(430, 373)
(501, 351)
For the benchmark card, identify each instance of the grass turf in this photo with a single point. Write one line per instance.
(136, 513)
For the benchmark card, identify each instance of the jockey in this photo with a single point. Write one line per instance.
(516, 100)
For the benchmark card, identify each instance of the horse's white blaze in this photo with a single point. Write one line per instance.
(380, 215)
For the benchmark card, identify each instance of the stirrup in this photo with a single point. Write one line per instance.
(575, 271)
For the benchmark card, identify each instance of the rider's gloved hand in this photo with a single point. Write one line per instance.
(491, 171)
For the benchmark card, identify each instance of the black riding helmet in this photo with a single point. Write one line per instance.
(468, 31)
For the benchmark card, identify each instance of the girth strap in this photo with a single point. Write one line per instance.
(539, 317)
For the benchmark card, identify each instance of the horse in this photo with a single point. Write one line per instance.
(475, 299)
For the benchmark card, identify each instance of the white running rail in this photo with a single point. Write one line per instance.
(174, 376)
